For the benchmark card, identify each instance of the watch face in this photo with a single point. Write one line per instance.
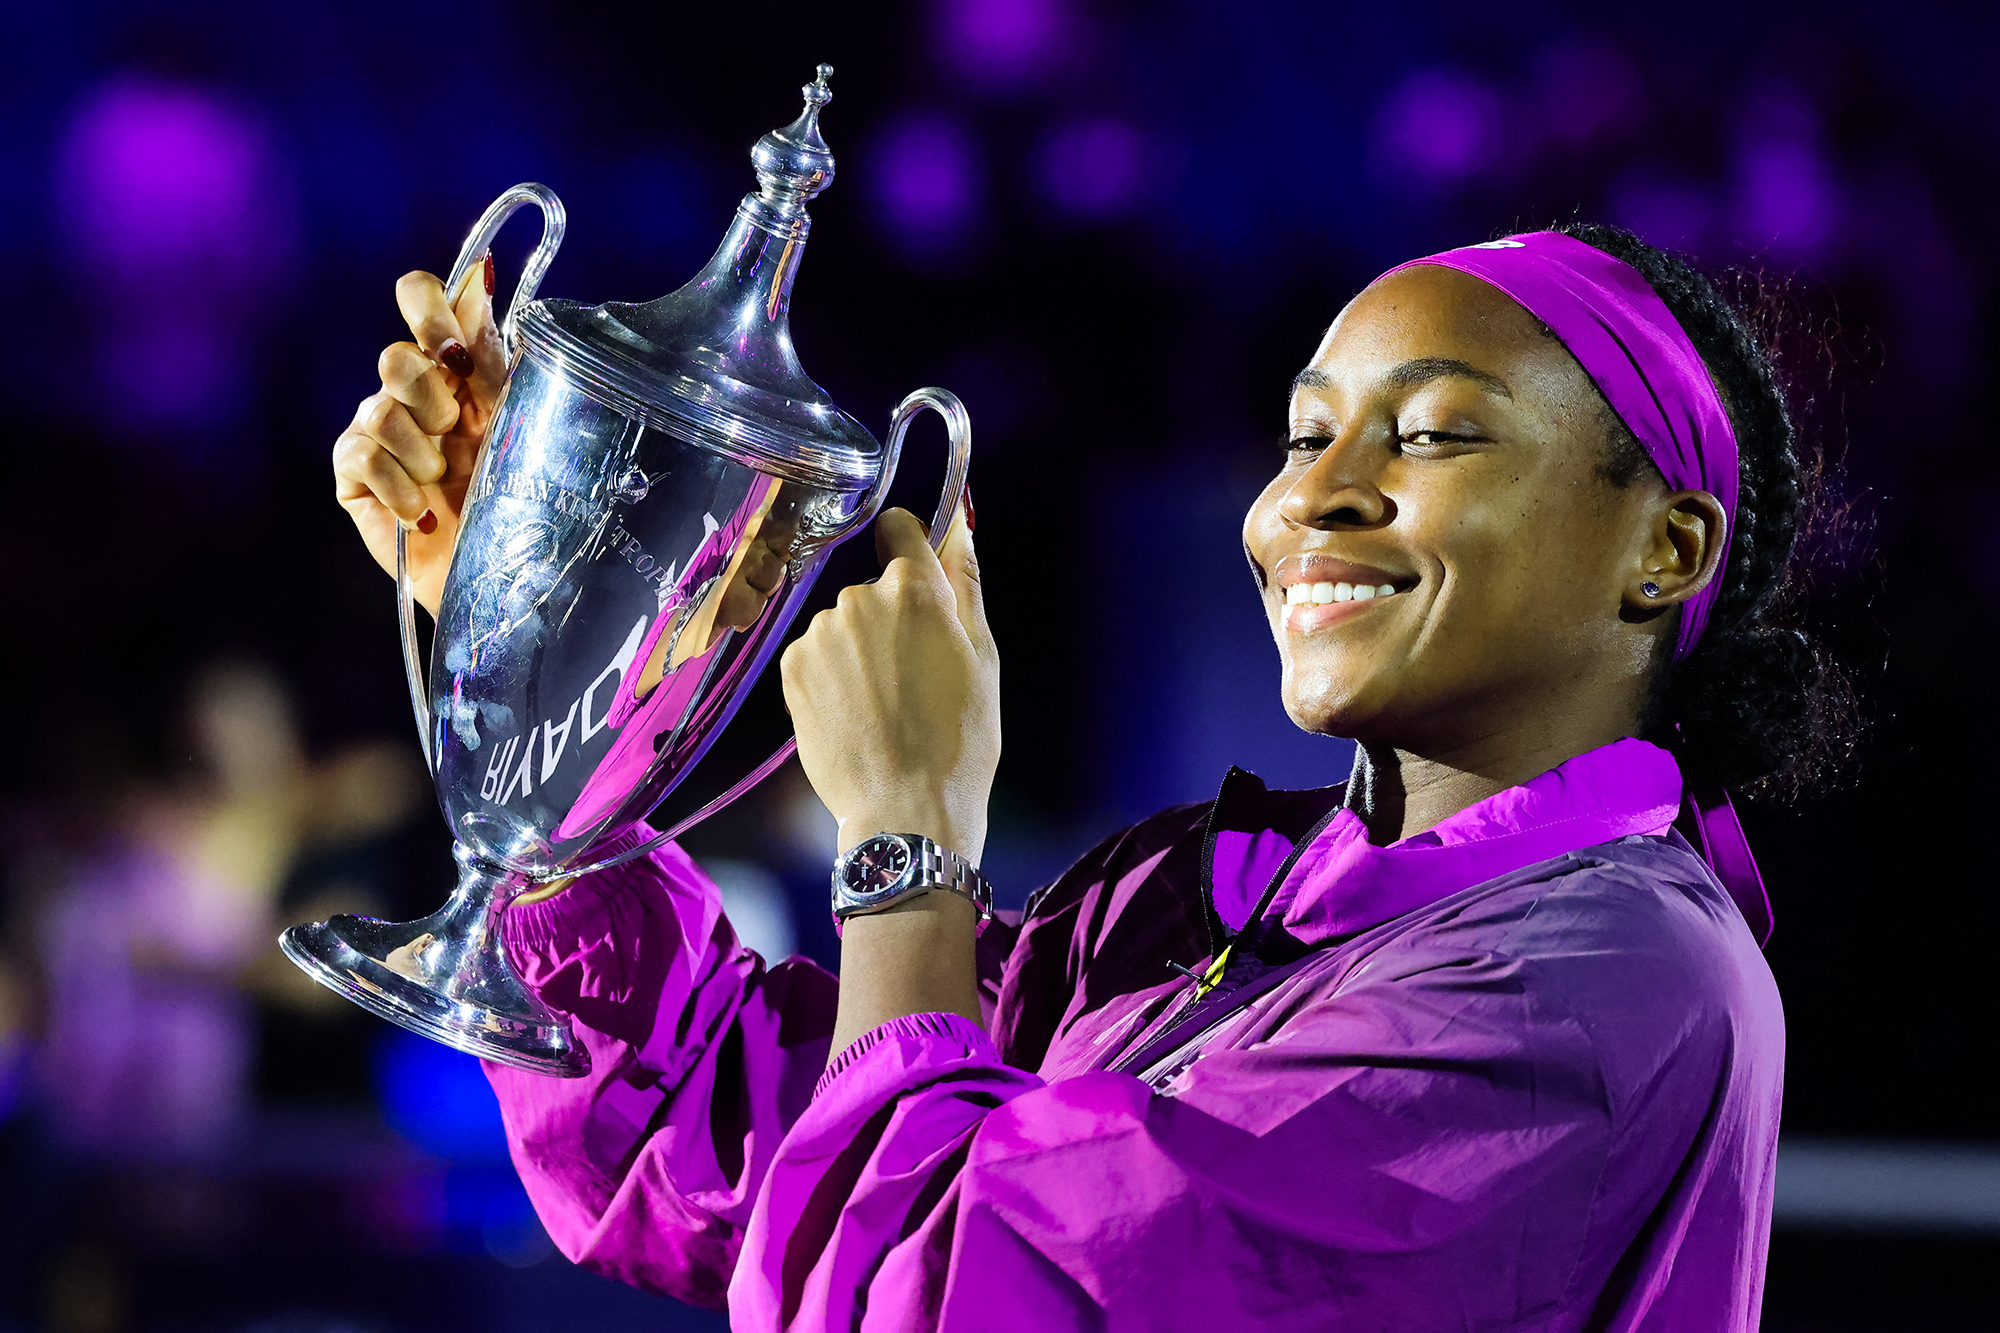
(877, 864)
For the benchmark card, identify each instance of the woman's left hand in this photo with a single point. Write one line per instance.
(895, 693)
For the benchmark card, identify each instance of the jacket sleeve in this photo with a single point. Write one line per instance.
(701, 1059)
(1357, 1170)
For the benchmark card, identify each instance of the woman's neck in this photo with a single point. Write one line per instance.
(1398, 793)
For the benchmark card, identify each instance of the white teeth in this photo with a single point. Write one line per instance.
(1319, 594)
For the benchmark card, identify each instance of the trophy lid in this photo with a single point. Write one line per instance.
(714, 362)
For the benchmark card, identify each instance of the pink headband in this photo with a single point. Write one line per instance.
(1635, 351)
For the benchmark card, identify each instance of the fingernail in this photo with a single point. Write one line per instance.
(489, 272)
(427, 523)
(965, 499)
(455, 358)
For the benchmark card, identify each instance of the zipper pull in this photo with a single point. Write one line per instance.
(1205, 981)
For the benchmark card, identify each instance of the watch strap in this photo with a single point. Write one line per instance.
(932, 867)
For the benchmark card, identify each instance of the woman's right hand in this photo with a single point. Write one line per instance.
(409, 452)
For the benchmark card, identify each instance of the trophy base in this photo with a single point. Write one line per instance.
(445, 977)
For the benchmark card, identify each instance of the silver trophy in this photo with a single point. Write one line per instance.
(658, 489)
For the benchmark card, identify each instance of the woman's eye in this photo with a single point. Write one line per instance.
(1305, 446)
(1431, 440)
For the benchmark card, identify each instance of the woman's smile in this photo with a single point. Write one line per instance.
(1318, 590)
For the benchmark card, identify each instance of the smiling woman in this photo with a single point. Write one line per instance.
(1480, 1038)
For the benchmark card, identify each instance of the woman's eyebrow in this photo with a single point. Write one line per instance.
(1412, 373)
(1425, 369)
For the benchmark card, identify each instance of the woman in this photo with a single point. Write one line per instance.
(1474, 1040)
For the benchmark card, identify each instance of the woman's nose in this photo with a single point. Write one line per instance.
(1339, 490)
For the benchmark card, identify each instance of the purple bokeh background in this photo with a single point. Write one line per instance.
(1116, 231)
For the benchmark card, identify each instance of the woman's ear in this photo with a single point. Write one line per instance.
(1688, 536)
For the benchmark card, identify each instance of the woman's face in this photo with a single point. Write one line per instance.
(1445, 466)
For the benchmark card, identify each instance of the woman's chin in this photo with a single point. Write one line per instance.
(1324, 716)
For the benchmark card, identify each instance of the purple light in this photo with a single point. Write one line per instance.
(154, 173)
(927, 184)
(1094, 168)
(1002, 43)
(1662, 211)
(1785, 191)
(1786, 194)
(1787, 198)
(177, 214)
(1586, 91)
(1439, 127)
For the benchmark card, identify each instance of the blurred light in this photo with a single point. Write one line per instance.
(1003, 43)
(179, 219)
(1439, 127)
(1006, 381)
(516, 1239)
(808, 834)
(662, 205)
(306, 1321)
(1662, 211)
(927, 185)
(1872, 1185)
(154, 174)
(758, 908)
(1786, 194)
(438, 1098)
(1094, 168)
(1586, 90)
(491, 1206)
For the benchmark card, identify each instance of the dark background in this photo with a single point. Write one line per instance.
(1116, 231)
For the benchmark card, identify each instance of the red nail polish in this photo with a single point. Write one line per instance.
(489, 273)
(965, 499)
(427, 523)
(455, 358)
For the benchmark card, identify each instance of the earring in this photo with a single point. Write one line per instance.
(1650, 588)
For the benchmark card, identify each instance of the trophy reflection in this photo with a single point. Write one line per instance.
(659, 487)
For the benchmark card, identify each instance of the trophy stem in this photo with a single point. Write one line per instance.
(446, 976)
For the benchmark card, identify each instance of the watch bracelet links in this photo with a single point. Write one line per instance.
(942, 869)
(937, 869)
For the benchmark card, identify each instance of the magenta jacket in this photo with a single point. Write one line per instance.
(1521, 1071)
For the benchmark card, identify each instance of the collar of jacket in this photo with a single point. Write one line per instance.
(1308, 885)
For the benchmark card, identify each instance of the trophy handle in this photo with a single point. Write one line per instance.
(480, 240)
(958, 422)
(477, 243)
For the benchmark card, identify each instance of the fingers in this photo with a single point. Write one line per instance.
(363, 468)
(482, 335)
(420, 296)
(413, 380)
(961, 568)
(389, 423)
(385, 454)
(900, 536)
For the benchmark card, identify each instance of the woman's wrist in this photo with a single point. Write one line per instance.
(917, 957)
(960, 832)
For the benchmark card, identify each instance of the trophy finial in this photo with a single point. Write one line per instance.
(794, 164)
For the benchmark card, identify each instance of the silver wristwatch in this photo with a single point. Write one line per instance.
(879, 872)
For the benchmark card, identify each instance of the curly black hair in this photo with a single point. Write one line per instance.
(1759, 706)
